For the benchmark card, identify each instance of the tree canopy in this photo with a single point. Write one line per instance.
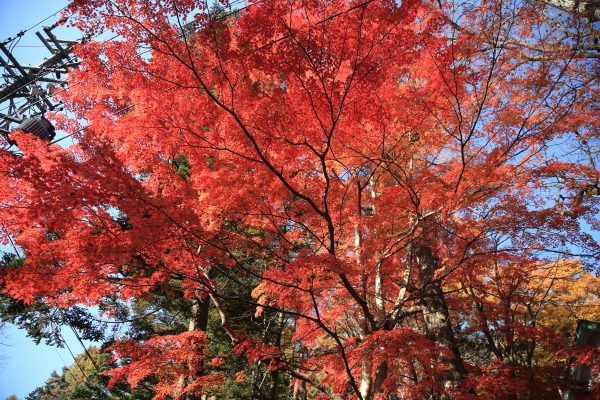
(345, 199)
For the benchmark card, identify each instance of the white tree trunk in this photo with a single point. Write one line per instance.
(586, 9)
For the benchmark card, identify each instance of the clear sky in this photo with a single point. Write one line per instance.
(23, 365)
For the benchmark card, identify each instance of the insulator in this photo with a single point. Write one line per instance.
(39, 127)
(50, 89)
(36, 91)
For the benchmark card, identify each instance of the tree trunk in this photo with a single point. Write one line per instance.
(199, 322)
(301, 393)
(275, 373)
(437, 318)
(382, 373)
(585, 9)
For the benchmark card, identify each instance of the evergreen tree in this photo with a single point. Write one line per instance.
(81, 381)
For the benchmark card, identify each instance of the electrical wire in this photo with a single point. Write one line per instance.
(20, 34)
(40, 75)
(14, 247)
(36, 80)
(16, 41)
(104, 41)
(61, 359)
(222, 17)
(85, 348)
(76, 362)
(45, 19)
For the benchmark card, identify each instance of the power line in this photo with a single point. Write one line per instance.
(22, 81)
(14, 247)
(42, 74)
(61, 359)
(220, 18)
(18, 36)
(104, 41)
(75, 359)
(45, 19)
(85, 348)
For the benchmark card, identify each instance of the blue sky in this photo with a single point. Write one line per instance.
(23, 365)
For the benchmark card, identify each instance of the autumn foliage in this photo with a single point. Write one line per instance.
(399, 187)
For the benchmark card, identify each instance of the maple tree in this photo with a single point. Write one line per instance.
(351, 165)
(521, 318)
(43, 322)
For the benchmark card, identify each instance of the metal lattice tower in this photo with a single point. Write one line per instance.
(26, 91)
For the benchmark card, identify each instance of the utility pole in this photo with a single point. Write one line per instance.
(25, 95)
